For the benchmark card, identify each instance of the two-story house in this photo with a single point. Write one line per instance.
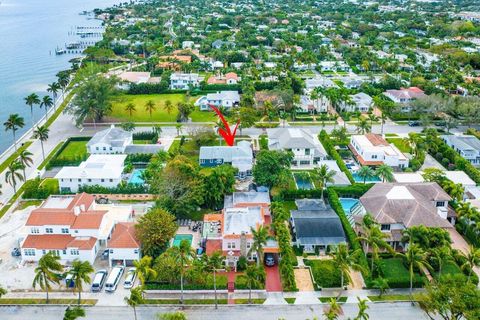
(184, 81)
(405, 96)
(226, 99)
(361, 102)
(306, 148)
(239, 157)
(73, 227)
(228, 78)
(467, 146)
(373, 150)
(123, 245)
(397, 206)
(110, 141)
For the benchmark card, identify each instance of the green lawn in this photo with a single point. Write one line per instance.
(449, 268)
(325, 273)
(14, 155)
(74, 150)
(22, 301)
(51, 184)
(400, 144)
(290, 300)
(246, 301)
(50, 156)
(390, 297)
(160, 114)
(397, 274)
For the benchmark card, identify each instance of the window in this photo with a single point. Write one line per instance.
(249, 245)
(111, 148)
(111, 180)
(229, 245)
(97, 148)
(104, 148)
(89, 180)
(79, 180)
(34, 230)
(307, 152)
(48, 230)
(29, 252)
(65, 230)
(135, 251)
(74, 252)
(64, 252)
(440, 203)
(103, 180)
(385, 227)
(374, 156)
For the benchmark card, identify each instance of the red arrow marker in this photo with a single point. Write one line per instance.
(226, 133)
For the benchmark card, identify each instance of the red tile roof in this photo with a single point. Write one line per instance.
(58, 242)
(124, 236)
(89, 220)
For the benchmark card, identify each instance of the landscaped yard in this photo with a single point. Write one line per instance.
(397, 274)
(51, 185)
(159, 114)
(400, 144)
(325, 273)
(74, 150)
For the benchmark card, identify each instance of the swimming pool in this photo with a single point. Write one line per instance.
(373, 179)
(136, 177)
(348, 204)
(180, 237)
(303, 182)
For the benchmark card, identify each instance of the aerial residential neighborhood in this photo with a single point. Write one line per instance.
(244, 159)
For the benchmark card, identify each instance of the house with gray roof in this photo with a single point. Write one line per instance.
(239, 156)
(467, 146)
(316, 226)
(306, 148)
(398, 206)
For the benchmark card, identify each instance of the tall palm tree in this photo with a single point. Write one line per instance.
(381, 284)
(362, 310)
(46, 102)
(366, 173)
(183, 254)
(41, 133)
(363, 126)
(169, 106)
(383, 119)
(260, 236)
(372, 118)
(30, 101)
(144, 269)
(415, 258)
(53, 88)
(472, 258)
(130, 108)
(14, 122)
(333, 310)
(252, 273)
(12, 175)
(211, 264)
(25, 158)
(374, 238)
(324, 175)
(80, 272)
(178, 127)
(344, 260)
(441, 255)
(150, 107)
(385, 172)
(47, 272)
(63, 80)
(136, 298)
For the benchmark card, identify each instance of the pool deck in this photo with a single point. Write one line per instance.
(196, 236)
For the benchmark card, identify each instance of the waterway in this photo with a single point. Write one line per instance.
(30, 31)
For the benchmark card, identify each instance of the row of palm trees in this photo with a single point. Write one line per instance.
(384, 172)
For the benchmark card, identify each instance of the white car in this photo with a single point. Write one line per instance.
(130, 278)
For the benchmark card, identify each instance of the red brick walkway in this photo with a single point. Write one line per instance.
(273, 282)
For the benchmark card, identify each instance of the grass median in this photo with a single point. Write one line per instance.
(31, 301)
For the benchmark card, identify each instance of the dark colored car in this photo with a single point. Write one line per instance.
(16, 252)
(413, 123)
(269, 260)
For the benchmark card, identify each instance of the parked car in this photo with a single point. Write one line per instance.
(69, 282)
(269, 260)
(99, 280)
(16, 252)
(130, 278)
(413, 123)
(105, 254)
(114, 279)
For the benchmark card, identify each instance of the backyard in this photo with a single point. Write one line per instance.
(160, 114)
(400, 144)
(325, 273)
(397, 274)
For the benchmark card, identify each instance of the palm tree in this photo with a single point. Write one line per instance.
(12, 175)
(130, 108)
(374, 238)
(472, 258)
(333, 310)
(47, 102)
(14, 122)
(136, 298)
(178, 126)
(372, 118)
(385, 172)
(72, 313)
(144, 270)
(54, 87)
(47, 272)
(441, 255)
(150, 107)
(343, 260)
(362, 310)
(169, 106)
(383, 119)
(366, 173)
(212, 264)
(259, 240)
(381, 284)
(252, 274)
(183, 255)
(363, 126)
(41, 133)
(30, 101)
(415, 259)
(26, 160)
(80, 272)
(324, 175)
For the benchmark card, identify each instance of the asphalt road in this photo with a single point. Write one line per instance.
(390, 311)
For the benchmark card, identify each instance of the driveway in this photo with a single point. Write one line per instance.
(273, 282)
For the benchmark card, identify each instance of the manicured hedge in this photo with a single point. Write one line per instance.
(120, 189)
(330, 148)
(266, 125)
(354, 191)
(289, 195)
(288, 257)
(59, 162)
(221, 87)
(139, 158)
(221, 284)
(146, 135)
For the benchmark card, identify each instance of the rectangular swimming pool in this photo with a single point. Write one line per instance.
(180, 237)
(303, 181)
(357, 178)
(136, 177)
(348, 204)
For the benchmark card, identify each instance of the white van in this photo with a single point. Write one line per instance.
(99, 280)
(114, 278)
(130, 278)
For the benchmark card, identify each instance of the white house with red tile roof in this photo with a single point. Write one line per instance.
(74, 227)
(123, 245)
(405, 96)
(372, 150)
(228, 78)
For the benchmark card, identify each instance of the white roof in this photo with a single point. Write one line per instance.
(399, 193)
(241, 220)
(387, 149)
(407, 177)
(460, 177)
(224, 95)
(97, 166)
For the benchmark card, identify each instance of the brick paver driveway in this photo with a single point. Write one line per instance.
(273, 283)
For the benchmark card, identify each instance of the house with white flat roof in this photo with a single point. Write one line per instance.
(99, 169)
(372, 150)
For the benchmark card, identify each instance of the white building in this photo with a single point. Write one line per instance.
(104, 170)
(334, 66)
(226, 99)
(73, 227)
(306, 147)
(319, 82)
(372, 150)
(307, 104)
(467, 146)
(360, 102)
(184, 81)
(123, 245)
(108, 141)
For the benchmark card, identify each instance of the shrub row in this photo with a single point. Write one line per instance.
(146, 135)
(330, 148)
(288, 258)
(33, 190)
(138, 158)
(120, 189)
(221, 87)
(59, 162)
(266, 125)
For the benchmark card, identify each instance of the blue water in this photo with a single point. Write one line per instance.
(348, 204)
(302, 183)
(357, 178)
(136, 177)
(30, 30)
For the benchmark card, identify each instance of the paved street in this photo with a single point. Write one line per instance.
(390, 311)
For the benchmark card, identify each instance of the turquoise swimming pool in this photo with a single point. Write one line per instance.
(136, 177)
(303, 182)
(373, 179)
(180, 237)
(348, 204)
